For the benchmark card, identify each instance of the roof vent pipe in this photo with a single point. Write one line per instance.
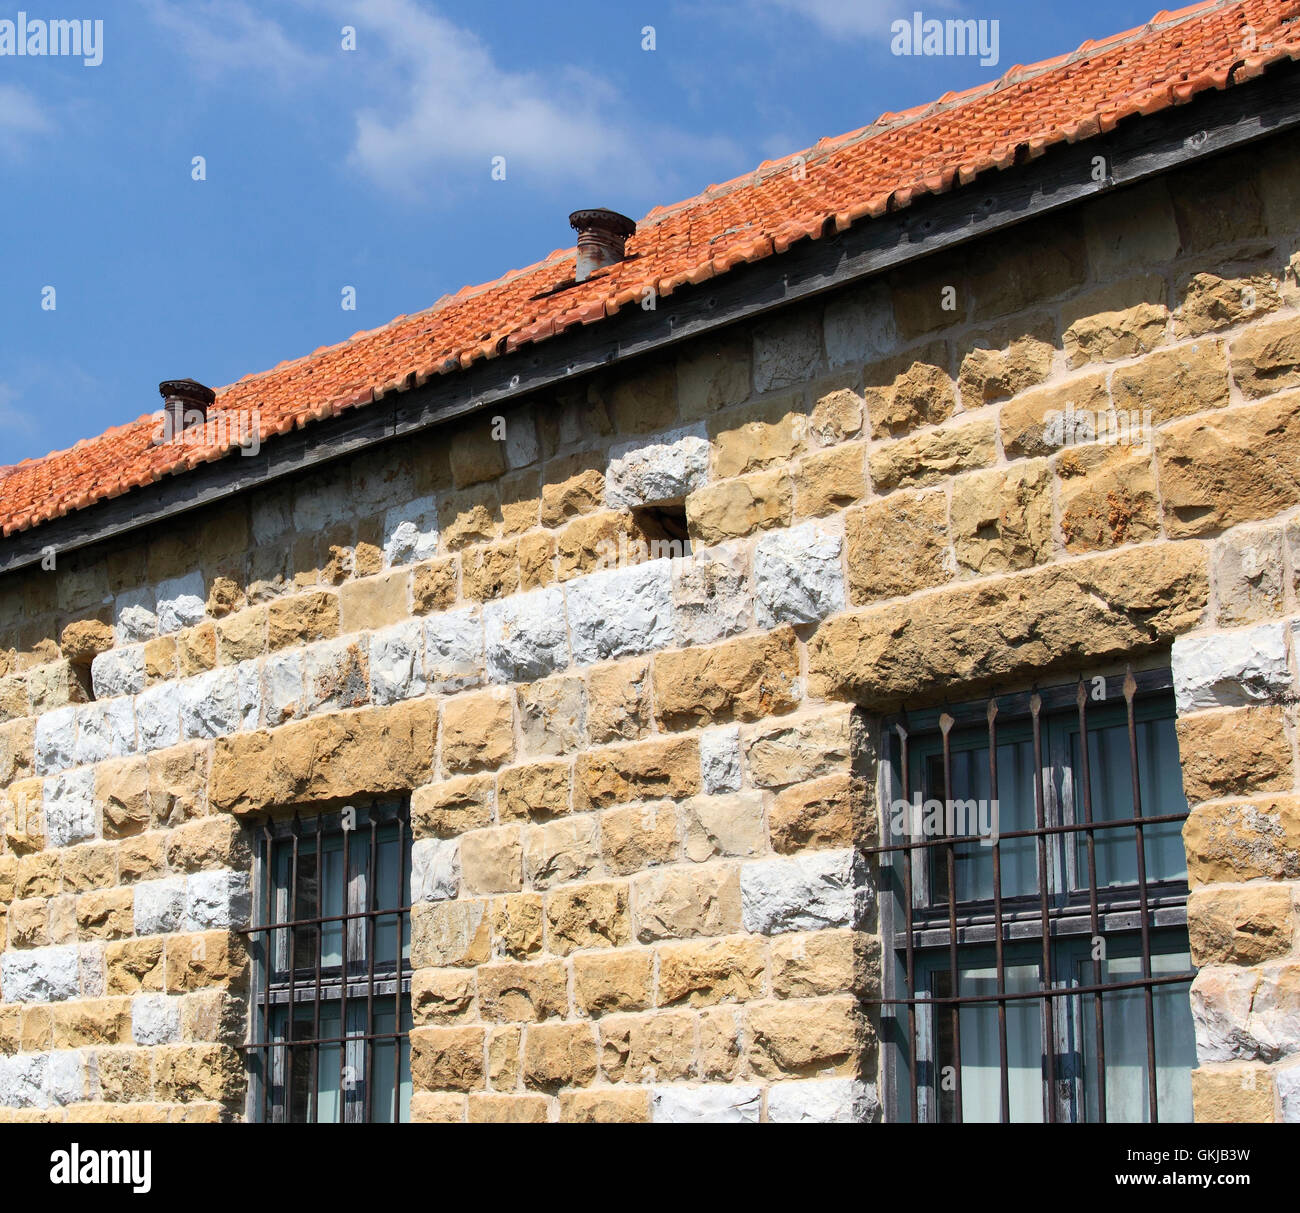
(602, 237)
(185, 403)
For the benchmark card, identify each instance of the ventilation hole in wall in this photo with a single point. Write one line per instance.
(81, 676)
(664, 526)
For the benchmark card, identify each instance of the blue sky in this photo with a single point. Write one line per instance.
(371, 167)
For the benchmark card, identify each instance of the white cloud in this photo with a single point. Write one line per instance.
(433, 102)
(21, 118)
(224, 36)
(851, 20)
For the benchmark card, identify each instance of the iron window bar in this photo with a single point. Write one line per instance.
(1055, 910)
(292, 985)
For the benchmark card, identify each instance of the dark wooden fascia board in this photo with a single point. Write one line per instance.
(1137, 150)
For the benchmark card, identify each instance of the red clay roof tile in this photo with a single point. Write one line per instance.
(846, 179)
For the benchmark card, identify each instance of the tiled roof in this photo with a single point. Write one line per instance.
(853, 178)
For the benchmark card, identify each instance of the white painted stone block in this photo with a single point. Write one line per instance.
(23, 1080)
(804, 892)
(526, 636)
(397, 662)
(39, 974)
(65, 1077)
(248, 675)
(92, 969)
(135, 615)
(155, 1019)
(822, 1101)
(105, 730)
(712, 1105)
(158, 716)
(55, 740)
(159, 905)
(435, 869)
(271, 514)
(453, 650)
(797, 575)
(712, 598)
(322, 501)
(181, 602)
(69, 805)
(411, 532)
(210, 704)
(621, 612)
(283, 693)
(521, 439)
(1228, 669)
(118, 672)
(720, 760)
(664, 467)
(216, 900)
(1288, 1089)
(336, 673)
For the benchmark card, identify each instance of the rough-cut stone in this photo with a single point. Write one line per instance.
(56, 740)
(1241, 840)
(517, 925)
(159, 905)
(181, 602)
(454, 655)
(680, 903)
(535, 792)
(1248, 575)
(828, 812)
(1230, 669)
(663, 468)
(397, 662)
(776, 756)
(1113, 335)
(105, 730)
(526, 636)
(618, 702)
(1014, 358)
(336, 674)
(898, 546)
(712, 376)
(1029, 422)
(798, 576)
(411, 532)
(1241, 925)
(933, 455)
(711, 595)
(559, 1055)
(1001, 519)
(592, 915)
(613, 981)
(724, 825)
(477, 731)
(1266, 357)
(155, 1019)
(639, 836)
(720, 760)
(523, 993)
(552, 715)
(447, 1059)
(445, 933)
(710, 1105)
(741, 506)
(710, 971)
(647, 1048)
(745, 679)
(822, 1101)
(1234, 753)
(491, 861)
(787, 352)
(860, 327)
(1234, 465)
(758, 436)
(621, 612)
(449, 808)
(118, 672)
(39, 974)
(69, 807)
(562, 851)
(210, 704)
(440, 996)
(804, 892)
(1173, 383)
(975, 636)
(909, 390)
(302, 618)
(1239, 1094)
(1106, 497)
(805, 1039)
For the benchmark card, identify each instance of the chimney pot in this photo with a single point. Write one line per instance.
(185, 402)
(602, 238)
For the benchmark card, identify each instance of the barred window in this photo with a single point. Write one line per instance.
(1033, 899)
(331, 999)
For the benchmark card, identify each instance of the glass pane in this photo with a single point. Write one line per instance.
(391, 889)
(381, 1102)
(981, 1060)
(973, 812)
(1160, 784)
(1125, 1037)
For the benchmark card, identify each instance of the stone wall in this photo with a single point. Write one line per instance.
(639, 784)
